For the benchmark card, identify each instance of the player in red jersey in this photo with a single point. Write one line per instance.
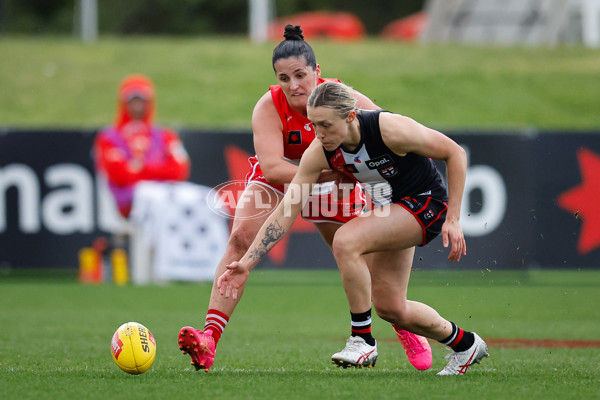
(282, 133)
(390, 155)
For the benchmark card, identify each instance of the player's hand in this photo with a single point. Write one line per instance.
(452, 234)
(232, 279)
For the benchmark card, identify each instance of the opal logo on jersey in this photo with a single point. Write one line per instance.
(379, 162)
(254, 202)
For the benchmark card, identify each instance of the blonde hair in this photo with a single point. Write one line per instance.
(334, 95)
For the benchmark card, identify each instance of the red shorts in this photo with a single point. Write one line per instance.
(323, 207)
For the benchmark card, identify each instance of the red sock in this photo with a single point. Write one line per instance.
(216, 322)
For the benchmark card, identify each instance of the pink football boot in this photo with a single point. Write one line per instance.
(199, 345)
(417, 349)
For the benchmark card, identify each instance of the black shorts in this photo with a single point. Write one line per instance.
(429, 212)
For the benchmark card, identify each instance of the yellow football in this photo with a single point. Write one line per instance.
(133, 348)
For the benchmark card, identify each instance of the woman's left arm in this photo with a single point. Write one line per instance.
(403, 135)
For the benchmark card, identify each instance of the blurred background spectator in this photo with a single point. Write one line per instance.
(172, 234)
(134, 148)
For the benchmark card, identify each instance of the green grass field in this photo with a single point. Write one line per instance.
(55, 338)
(212, 82)
(55, 333)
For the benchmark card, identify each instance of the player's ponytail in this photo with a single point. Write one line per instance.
(294, 46)
(293, 32)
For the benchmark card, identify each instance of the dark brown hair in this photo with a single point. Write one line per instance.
(294, 45)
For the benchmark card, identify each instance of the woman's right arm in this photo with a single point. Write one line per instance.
(268, 142)
(278, 223)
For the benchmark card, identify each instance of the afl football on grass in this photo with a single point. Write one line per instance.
(133, 348)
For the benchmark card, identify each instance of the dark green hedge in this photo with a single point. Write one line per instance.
(182, 17)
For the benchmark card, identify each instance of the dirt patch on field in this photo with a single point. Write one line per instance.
(542, 343)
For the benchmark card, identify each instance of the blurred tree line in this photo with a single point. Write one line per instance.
(182, 17)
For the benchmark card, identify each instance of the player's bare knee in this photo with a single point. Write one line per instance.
(393, 313)
(344, 248)
(239, 241)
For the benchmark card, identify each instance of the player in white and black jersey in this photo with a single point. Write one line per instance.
(410, 180)
(373, 162)
(397, 152)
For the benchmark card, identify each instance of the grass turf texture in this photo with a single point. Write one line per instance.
(55, 338)
(214, 82)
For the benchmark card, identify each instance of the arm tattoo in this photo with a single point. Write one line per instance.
(273, 234)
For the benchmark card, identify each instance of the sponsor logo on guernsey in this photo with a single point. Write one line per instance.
(379, 162)
(295, 137)
(388, 172)
(308, 127)
(357, 159)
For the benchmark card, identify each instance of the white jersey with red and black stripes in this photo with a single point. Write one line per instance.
(386, 176)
